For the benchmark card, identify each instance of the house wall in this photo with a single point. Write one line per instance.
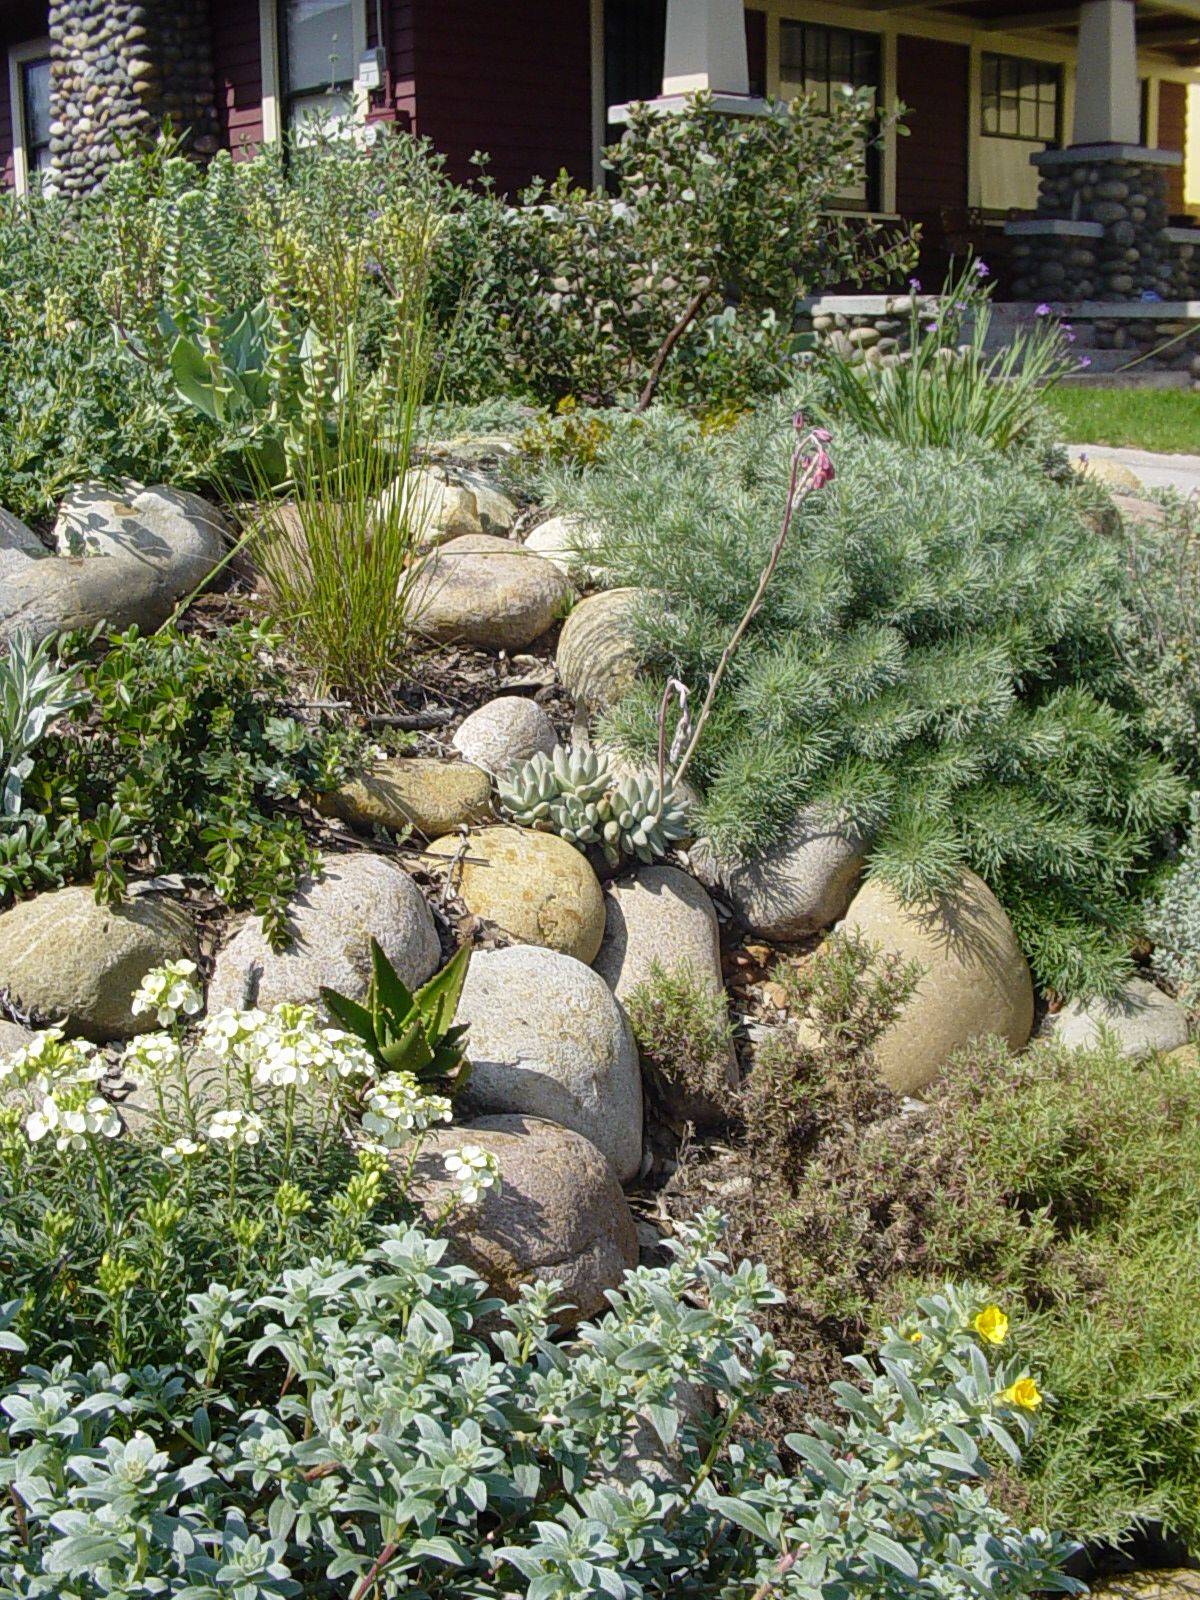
(237, 77)
(1172, 135)
(512, 79)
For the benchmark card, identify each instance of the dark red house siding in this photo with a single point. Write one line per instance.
(512, 79)
(1172, 135)
(932, 79)
(7, 178)
(237, 75)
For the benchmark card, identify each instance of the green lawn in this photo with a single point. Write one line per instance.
(1146, 419)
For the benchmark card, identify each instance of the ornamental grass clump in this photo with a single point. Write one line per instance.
(931, 666)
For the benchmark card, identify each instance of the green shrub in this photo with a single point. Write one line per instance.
(682, 1028)
(932, 665)
(949, 390)
(1067, 1181)
(186, 761)
(691, 266)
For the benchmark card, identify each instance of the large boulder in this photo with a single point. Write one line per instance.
(149, 549)
(332, 917)
(75, 963)
(13, 1037)
(559, 1213)
(535, 886)
(568, 541)
(1113, 474)
(1141, 1019)
(661, 915)
(18, 544)
(801, 883)
(1161, 1583)
(505, 731)
(547, 1039)
(488, 593)
(422, 792)
(446, 502)
(598, 657)
(974, 979)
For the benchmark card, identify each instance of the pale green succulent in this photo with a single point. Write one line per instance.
(574, 794)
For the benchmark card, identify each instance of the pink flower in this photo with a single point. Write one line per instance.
(1042, 311)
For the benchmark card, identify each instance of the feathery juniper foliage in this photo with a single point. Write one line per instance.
(932, 663)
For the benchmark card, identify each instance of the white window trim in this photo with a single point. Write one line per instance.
(273, 104)
(18, 56)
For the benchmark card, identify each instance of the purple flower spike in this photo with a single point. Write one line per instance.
(915, 285)
(982, 270)
(1042, 311)
(1085, 361)
(931, 327)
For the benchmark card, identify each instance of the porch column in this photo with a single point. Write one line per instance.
(706, 48)
(1107, 94)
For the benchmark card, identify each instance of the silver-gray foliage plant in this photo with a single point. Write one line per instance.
(573, 793)
(33, 694)
(392, 1449)
(1173, 921)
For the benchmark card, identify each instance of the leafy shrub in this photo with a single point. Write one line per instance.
(186, 761)
(682, 1029)
(948, 390)
(348, 1433)
(692, 265)
(932, 665)
(1069, 1181)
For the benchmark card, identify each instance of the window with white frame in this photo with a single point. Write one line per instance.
(29, 90)
(310, 52)
(822, 62)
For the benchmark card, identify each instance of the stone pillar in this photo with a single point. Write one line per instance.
(1107, 94)
(706, 47)
(118, 70)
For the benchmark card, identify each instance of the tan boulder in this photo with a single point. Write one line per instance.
(421, 792)
(974, 979)
(559, 1213)
(1163, 1583)
(489, 593)
(78, 964)
(598, 657)
(1113, 474)
(535, 886)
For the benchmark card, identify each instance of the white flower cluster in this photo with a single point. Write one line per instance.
(170, 991)
(62, 1074)
(181, 1151)
(398, 1108)
(155, 1058)
(286, 1048)
(474, 1171)
(235, 1128)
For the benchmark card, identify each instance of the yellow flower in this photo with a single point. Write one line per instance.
(914, 1336)
(991, 1324)
(1023, 1393)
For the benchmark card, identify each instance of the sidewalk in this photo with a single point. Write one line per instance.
(1156, 471)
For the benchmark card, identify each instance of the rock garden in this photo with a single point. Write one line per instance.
(594, 994)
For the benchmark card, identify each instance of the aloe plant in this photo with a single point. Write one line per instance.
(407, 1031)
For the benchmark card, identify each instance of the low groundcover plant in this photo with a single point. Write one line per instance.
(396, 1451)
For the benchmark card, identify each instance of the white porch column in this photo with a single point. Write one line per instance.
(706, 47)
(1107, 94)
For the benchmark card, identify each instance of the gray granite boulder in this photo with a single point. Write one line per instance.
(662, 915)
(148, 551)
(333, 917)
(798, 885)
(76, 963)
(567, 541)
(1141, 1019)
(547, 1039)
(598, 658)
(505, 731)
(559, 1212)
